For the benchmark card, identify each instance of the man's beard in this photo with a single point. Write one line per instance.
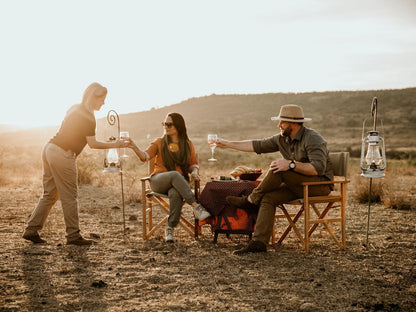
(285, 133)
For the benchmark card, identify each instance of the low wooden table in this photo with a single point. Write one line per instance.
(226, 218)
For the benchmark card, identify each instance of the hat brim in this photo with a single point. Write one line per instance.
(291, 120)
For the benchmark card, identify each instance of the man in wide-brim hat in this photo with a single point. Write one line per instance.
(305, 159)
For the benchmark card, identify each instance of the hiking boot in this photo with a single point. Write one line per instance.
(80, 241)
(253, 246)
(169, 238)
(243, 203)
(34, 238)
(201, 213)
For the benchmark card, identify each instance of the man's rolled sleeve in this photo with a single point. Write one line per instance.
(317, 154)
(268, 145)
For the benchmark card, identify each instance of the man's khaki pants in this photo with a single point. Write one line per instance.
(279, 188)
(59, 181)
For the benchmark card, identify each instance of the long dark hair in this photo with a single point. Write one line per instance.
(179, 124)
(170, 158)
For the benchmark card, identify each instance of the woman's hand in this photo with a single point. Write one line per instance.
(195, 175)
(130, 143)
(123, 143)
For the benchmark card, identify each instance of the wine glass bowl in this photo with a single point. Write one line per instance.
(212, 141)
(123, 136)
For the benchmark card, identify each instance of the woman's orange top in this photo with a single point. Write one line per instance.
(155, 150)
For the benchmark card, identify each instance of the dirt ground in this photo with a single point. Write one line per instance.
(124, 273)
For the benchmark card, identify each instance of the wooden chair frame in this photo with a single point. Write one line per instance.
(151, 199)
(336, 199)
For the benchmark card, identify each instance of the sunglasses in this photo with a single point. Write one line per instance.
(167, 124)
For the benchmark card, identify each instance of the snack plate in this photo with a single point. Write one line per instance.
(228, 179)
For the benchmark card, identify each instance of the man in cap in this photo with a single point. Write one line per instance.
(305, 159)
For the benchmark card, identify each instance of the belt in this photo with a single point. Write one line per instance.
(67, 151)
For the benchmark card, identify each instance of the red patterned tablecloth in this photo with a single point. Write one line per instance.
(224, 216)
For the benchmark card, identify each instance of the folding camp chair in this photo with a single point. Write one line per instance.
(336, 199)
(152, 200)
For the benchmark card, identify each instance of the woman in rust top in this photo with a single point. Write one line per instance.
(60, 168)
(175, 160)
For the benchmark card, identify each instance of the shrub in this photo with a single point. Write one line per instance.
(133, 190)
(398, 199)
(87, 173)
(362, 190)
(399, 202)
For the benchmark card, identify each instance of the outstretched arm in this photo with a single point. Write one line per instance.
(243, 146)
(93, 143)
(141, 154)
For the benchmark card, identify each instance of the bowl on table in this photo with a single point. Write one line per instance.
(252, 176)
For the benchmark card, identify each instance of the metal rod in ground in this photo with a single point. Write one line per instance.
(368, 213)
(122, 199)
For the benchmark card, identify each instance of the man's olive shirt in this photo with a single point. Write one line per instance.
(308, 146)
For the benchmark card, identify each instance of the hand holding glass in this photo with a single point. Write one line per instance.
(123, 136)
(212, 141)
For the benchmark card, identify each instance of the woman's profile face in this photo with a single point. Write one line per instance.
(98, 102)
(168, 127)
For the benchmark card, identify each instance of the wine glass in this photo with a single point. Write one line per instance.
(212, 141)
(123, 136)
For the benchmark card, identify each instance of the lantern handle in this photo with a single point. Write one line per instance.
(363, 133)
(112, 117)
(374, 112)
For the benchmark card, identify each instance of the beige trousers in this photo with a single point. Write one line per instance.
(59, 182)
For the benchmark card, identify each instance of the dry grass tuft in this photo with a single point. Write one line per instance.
(362, 191)
(397, 194)
(86, 175)
(132, 187)
(399, 202)
(396, 190)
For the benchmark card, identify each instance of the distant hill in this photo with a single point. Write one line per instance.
(10, 128)
(29, 137)
(338, 116)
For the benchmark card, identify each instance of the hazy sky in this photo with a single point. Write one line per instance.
(157, 53)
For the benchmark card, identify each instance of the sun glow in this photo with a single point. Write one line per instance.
(152, 58)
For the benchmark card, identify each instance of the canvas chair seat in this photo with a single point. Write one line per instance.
(152, 200)
(322, 206)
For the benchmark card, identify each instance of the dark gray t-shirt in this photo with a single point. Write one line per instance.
(308, 146)
(76, 126)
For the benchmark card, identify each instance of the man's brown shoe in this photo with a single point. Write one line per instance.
(242, 202)
(253, 246)
(80, 242)
(34, 238)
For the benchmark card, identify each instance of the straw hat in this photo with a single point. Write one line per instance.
(291, 113)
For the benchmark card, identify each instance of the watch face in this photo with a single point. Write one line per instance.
(292, 165)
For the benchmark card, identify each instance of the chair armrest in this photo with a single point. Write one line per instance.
(325, 182)
(197, 188)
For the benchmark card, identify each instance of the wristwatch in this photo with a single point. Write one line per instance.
(292, 165)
